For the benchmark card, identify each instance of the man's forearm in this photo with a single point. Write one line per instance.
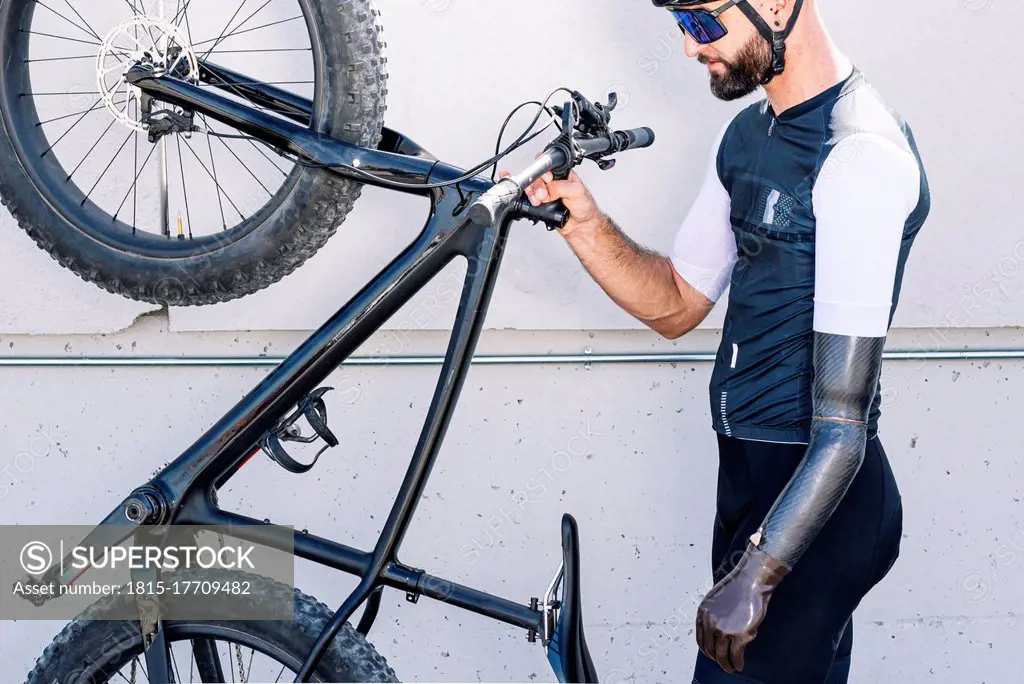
(639, 280)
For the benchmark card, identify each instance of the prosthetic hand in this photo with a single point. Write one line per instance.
(846, 372)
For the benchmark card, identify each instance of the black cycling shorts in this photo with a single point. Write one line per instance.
(807, 635)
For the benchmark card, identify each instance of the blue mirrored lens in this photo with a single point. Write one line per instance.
(698, 23)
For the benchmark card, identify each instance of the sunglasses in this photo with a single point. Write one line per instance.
(703, 25)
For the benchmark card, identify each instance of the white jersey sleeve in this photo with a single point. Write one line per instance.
(704, 251)
(862, 199)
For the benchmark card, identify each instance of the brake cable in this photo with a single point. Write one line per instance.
(522, 140)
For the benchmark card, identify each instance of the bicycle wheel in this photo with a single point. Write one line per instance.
(91, 650)
(190, 219)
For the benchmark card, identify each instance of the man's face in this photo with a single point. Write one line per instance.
(737, 63)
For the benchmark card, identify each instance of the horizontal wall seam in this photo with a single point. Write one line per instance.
(481, 360)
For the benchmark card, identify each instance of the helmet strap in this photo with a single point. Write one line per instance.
(777, 39)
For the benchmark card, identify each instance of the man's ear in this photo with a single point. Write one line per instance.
(776, 12)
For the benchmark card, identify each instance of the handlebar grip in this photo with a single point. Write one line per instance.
(553, 214)
(635, 138)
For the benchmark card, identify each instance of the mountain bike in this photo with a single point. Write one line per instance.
(168, 94)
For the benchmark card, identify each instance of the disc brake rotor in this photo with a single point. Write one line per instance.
(152, 41)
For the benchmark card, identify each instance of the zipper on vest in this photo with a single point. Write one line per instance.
(767, 144)
(725, 416)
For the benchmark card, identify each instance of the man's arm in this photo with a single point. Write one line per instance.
(670, 294)
(861, 213)
(641, 281)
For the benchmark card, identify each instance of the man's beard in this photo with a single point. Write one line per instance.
(746, 74)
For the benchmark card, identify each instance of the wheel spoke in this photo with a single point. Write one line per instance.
(188, 25)
(91, 29)
(251, 83)
(136, 12)
(85, 114)
(66, 92)
(244, 22)
(58, 59)
(267, 157)
(252, 654)
(278, 677)
(91, 149)
(68, 116)
(135, 182)
(117, 97)
(209, 145)
(174, 665)
(245, 52)
(125, 678)
(181, 13)
(227, 26)
(116, 155)
(220, 190)
(184, 189)
(51, 35)
(254, 28)
(244, 166)
(116, 51)
(87, 31)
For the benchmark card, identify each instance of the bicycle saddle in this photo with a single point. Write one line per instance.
(567, 650)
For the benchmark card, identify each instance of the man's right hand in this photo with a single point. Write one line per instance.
(574, 194)
(639, 280)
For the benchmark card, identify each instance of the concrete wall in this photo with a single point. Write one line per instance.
(625, 448)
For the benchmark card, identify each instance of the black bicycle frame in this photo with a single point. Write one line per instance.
(185, 491)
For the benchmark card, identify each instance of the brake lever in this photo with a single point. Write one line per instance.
(593, 120)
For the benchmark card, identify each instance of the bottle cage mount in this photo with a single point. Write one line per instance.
(313, 408)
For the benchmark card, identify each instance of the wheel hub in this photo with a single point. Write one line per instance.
(155, 44)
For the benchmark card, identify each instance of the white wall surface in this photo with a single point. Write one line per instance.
(442, 57)
(643, 489)
(628, 452)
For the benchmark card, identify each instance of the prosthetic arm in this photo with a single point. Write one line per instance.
(846, 374)
(846, 371)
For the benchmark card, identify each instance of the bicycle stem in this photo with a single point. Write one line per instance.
(486, 210)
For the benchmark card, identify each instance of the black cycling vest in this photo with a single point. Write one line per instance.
(768, 164)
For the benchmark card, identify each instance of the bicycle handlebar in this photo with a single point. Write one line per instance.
(485, 211)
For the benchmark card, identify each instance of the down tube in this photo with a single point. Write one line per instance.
(218, 453)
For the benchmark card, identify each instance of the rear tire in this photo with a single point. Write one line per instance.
(293, 226)
(94, 651)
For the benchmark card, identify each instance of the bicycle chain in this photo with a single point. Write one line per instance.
(241, 670)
